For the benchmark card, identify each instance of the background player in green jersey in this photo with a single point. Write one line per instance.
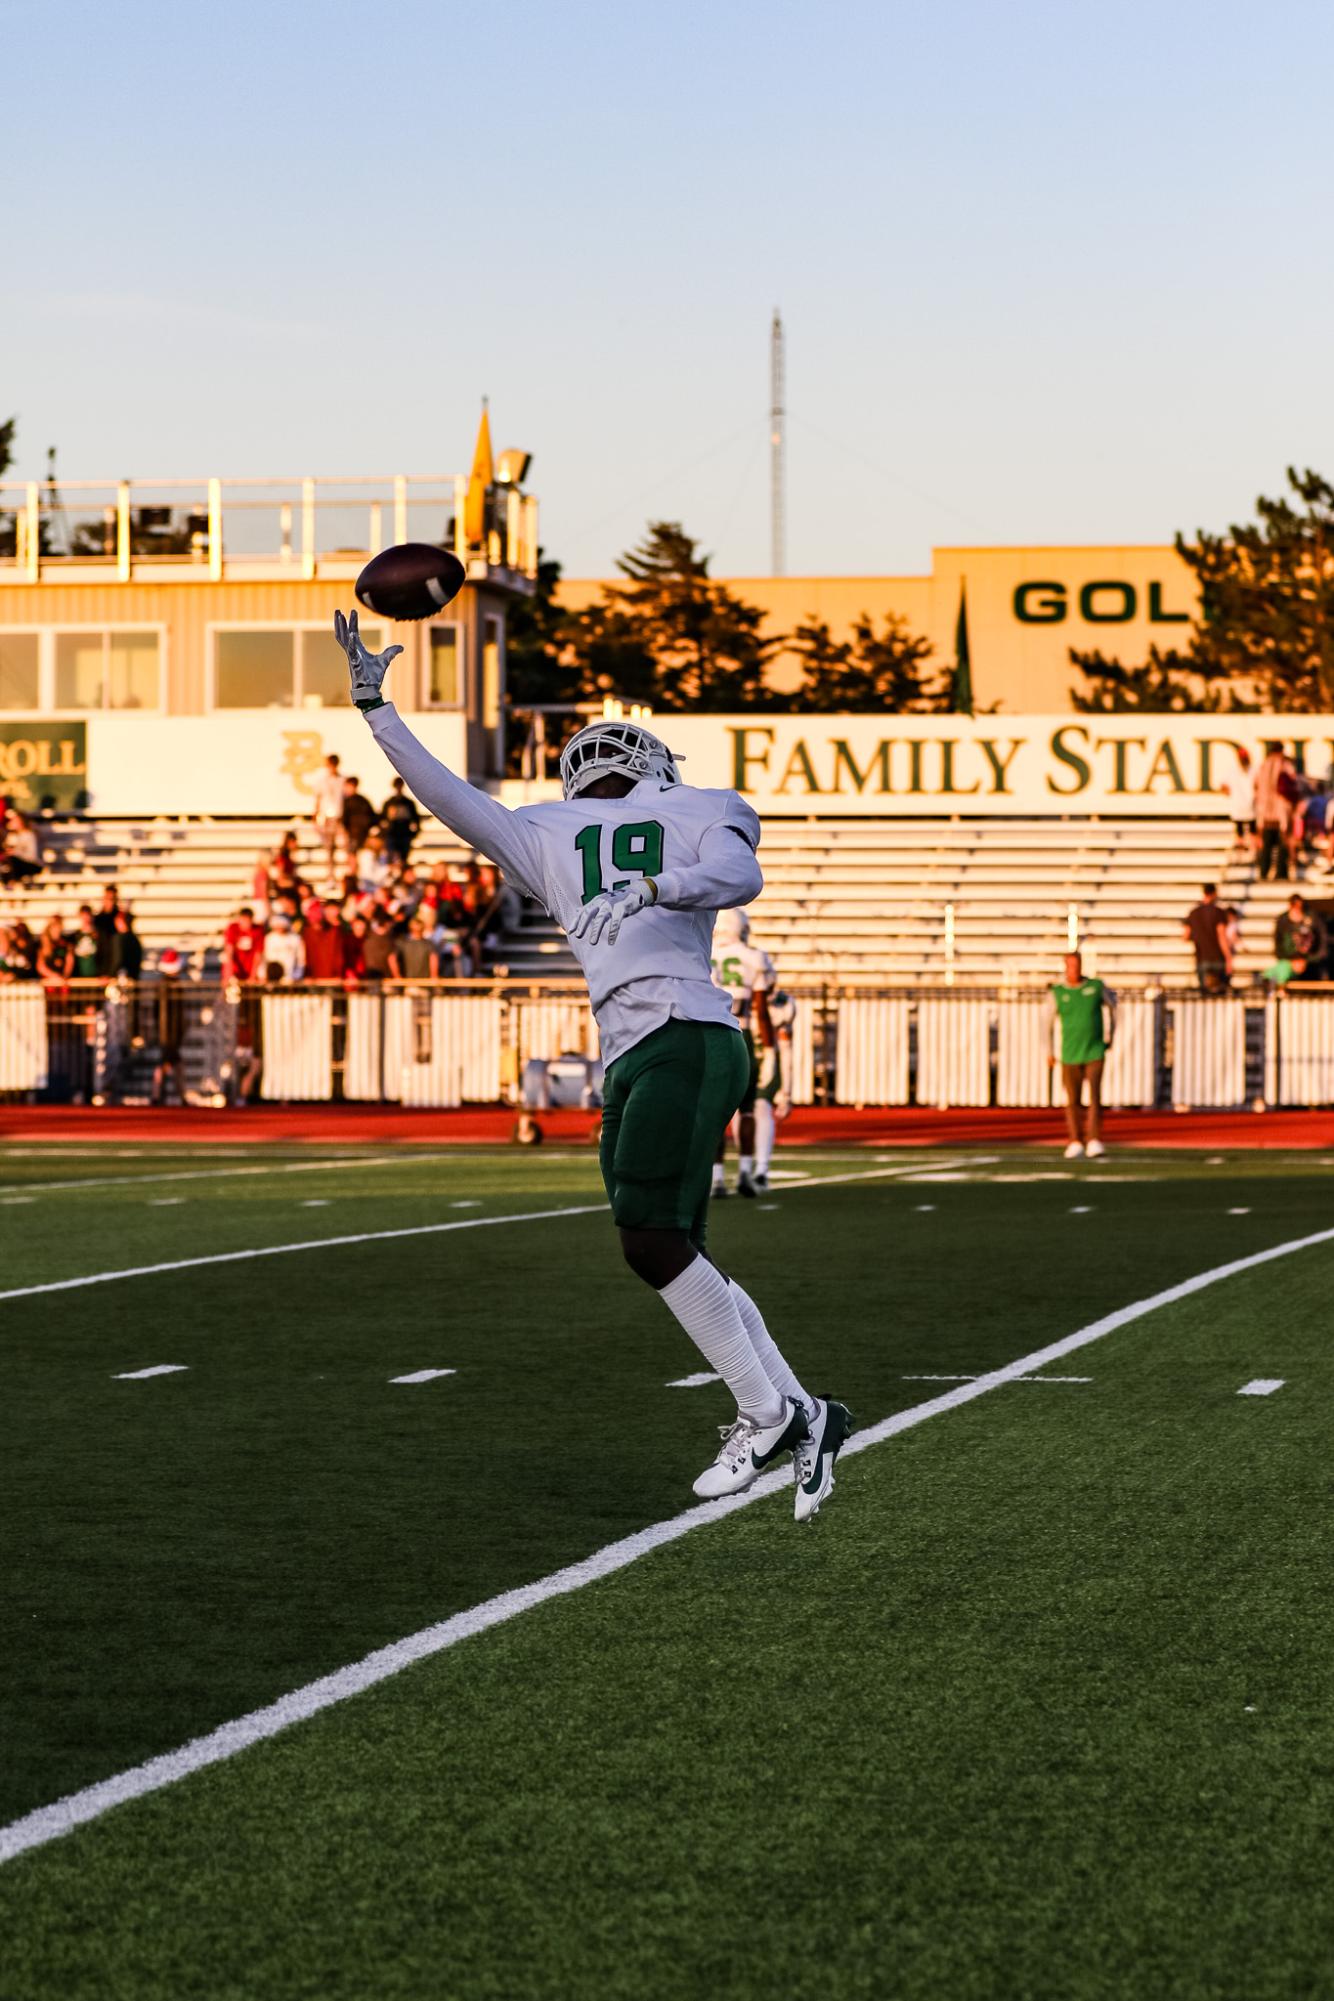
(1086, 1011)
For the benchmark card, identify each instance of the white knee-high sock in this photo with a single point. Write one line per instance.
(762, 1341)
(764, 1135)
(703, 1302)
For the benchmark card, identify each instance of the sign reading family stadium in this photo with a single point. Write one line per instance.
(987, 764)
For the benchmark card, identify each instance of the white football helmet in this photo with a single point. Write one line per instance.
(625, 748)
(732, 927)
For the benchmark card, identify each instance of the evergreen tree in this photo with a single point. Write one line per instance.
(872, 670)
(705, 643)
(1166, 684)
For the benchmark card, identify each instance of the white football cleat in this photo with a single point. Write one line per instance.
(1074, 1151)
(827, 1430)
(1095, 1149)
(749, 1449)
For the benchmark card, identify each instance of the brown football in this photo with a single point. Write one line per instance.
(412, 580)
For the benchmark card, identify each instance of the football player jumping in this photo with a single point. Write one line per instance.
(635, 865)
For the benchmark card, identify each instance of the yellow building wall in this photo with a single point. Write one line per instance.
(1026, 608)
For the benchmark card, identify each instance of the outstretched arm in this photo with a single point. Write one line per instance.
(472, 814)
(726, 875)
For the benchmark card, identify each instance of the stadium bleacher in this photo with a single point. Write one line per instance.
(844, 900)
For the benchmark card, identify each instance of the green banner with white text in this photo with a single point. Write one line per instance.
(43, 764)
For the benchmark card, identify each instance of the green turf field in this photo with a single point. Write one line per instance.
(1040, 1706)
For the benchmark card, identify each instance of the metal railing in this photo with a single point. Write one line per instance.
(449, 1042)
(210, 528)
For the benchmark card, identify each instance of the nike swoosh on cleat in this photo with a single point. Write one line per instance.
(790, 1435)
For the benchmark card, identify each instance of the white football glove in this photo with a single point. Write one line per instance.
(368, 669)
(609, 911)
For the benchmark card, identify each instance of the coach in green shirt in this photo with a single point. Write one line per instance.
(1082, 1007)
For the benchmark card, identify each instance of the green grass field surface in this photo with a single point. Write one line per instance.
(1039, 1706)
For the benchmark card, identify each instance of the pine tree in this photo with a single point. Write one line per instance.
(1166, 684)
(871, 670)
(706, 645)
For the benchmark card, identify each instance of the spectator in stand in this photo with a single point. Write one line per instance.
(130, 944)
(354, 949)
(84, 940)
(283, 948)
(401, 820)
(1301, 941)
(378, 948)
(18, 953)
(1311, 826)
(20, 860)
(259, 888)
(414, 957)
(1276, 791)
(323, 940)
(328, 814)
(170, 1013)
(108, 953)
(373, 865)
(1241, 803)
(1208, 927)
(242, 947)
(406, 895)
(358, 816)
(55, 955)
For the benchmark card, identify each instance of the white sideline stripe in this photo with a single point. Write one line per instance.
(158, 1369)
(1238, 1212)
(226, 1173)
(977, 1379)
(1261, 1386)
(48, 1823)
(423, 1375)
(693, 1382)
(382, 1236)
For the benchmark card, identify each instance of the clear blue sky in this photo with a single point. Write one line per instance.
(1050, 272)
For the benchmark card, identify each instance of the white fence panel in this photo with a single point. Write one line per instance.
(442, 1049)
(23, 1051)
(362, 1081)
(297, 1032)
(803, 1053)
(1208, 1052)
(1299, 1050)
(872, 1051)
(1131, 1075)
(1023, 1074)
(953, 1052)
(556, 1026)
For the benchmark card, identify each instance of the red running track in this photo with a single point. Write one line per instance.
(377, 1125)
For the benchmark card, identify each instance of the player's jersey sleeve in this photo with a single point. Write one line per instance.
(727, 873)
(502, 836)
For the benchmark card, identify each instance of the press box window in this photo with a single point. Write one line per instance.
(286, 668)
(19, 668)
(444, 668)
(108, 670)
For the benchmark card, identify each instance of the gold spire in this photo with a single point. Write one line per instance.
(482, 476)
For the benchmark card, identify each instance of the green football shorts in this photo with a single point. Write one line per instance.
(753, 1079)
(666, 1105)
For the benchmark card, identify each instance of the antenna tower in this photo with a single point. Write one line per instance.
(777, 422)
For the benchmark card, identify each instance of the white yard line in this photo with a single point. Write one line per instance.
(226, 1173)
(693, 1382)
(382, 1236)
(423, 1376)
(48, 1823)
(158, 1369)
(1262, 1386)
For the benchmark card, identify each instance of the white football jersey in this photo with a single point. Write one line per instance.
(742, 970)
(699, 847)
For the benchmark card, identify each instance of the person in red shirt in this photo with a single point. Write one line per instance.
(354, 950)
(242, 947)
(324, 940)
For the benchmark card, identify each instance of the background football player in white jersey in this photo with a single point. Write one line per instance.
(634, 865)
(746, 974)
